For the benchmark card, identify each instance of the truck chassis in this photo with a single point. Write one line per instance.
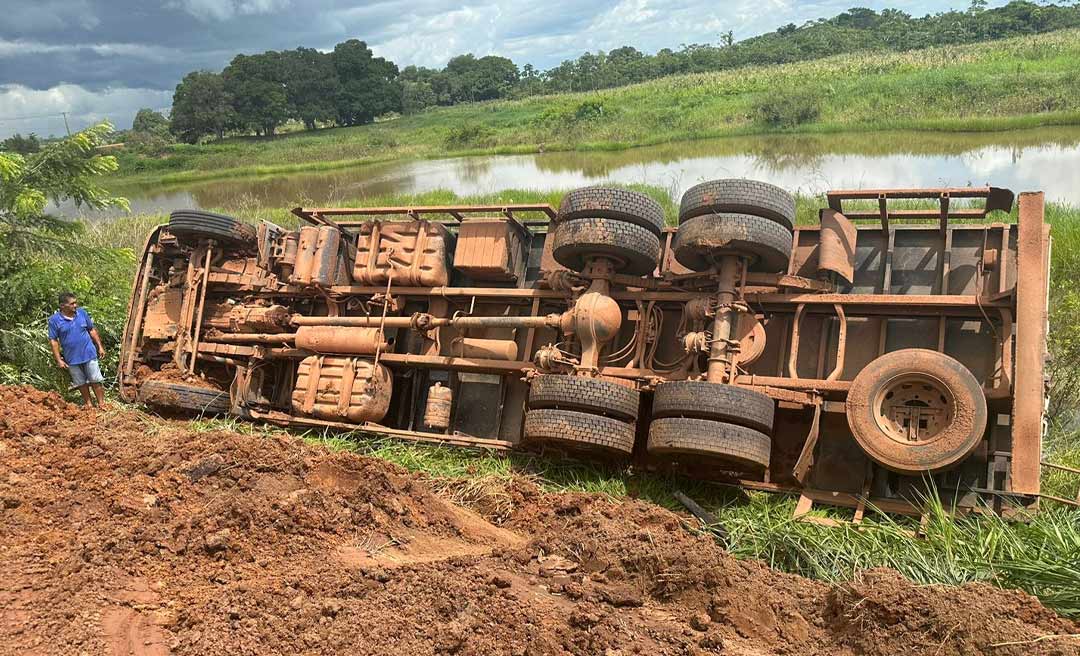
(892, 351)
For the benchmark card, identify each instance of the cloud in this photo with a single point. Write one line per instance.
(132, 50)
(26, 110)
(221, 10)
(50, 16)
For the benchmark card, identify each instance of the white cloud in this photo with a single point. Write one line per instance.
(83, 107)
(222, 10)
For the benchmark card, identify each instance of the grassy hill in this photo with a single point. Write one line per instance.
(1013, 83)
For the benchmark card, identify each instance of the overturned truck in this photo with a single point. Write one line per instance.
(891, 351)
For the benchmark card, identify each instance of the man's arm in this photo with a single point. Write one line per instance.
(56, 353)
(97, 341)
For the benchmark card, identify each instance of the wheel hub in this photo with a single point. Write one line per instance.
(914, 409)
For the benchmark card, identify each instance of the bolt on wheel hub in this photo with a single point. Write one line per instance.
(914, 408)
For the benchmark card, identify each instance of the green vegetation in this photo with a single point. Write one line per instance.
(856, 30)
(350, 87)
(41, 255)
(17, 143)
(1015, 83)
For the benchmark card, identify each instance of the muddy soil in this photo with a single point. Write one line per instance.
(125, 535)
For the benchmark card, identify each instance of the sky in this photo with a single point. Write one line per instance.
(99, 59)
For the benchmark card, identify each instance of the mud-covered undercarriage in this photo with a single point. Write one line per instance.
(880, 355)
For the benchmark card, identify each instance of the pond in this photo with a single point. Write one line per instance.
(1044, 159)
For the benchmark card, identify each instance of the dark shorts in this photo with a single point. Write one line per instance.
(87, 372)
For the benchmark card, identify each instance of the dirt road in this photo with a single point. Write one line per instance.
(124, 535)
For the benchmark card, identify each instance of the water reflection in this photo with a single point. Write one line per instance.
(1044, 158)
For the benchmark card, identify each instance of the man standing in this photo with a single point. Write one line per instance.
(72, 331)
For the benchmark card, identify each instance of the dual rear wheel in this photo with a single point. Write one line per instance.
(745, 218)
(724, 424)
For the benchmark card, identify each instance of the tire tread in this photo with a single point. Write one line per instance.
(591, 395)
(739, 196)
(736, 445)
(579, 430)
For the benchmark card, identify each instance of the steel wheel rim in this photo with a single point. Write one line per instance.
(914, 409)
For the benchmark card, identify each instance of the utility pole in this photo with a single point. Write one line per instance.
(66, 124)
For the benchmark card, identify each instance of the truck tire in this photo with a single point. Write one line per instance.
(193, 225)
(699, 399)
(616, 204)
(915, 411)
(180, 396)
(593, 395)
(702, 239)
(579, 431)
(738, 196)
(741, 448)
(634, 249)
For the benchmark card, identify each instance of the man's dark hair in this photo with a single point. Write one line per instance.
(65, 297)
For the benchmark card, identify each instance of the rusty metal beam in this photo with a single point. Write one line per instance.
(996, 199)
(1032, 254)
(928, 303)
(311, 214)
(917, 214)
(474, 365)
(456, 439)
(809, 384)
(937, 302)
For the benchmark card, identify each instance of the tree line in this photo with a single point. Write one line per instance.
(350, 86)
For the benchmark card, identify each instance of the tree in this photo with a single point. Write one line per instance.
(201, 107)
(369, 85)
(416, 96)
(256, 84)
(486, 78)
(147, 120)
(311, 85)
(41, 254)
(149, 134)
(17, 143)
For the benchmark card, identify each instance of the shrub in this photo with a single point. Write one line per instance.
(788, 108)
(468, 136)
(149, 144)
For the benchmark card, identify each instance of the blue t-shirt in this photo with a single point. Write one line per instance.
(74, 336)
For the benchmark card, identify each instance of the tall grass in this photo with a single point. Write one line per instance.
(1014, 83)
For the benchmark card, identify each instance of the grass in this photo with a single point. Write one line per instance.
(1041, 556)
(1002, 85)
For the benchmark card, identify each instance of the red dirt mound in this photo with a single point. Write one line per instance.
(122, 534)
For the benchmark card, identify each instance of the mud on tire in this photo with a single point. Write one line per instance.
(915, 411)
(578, 431)
(593, 395)
(739, 196)
(700, 399)
(181, 396)
(192, 225)
(702, 239)
(636, 250)
(617, 204)
(738, 447)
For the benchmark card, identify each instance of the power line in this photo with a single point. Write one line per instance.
(27, 118)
